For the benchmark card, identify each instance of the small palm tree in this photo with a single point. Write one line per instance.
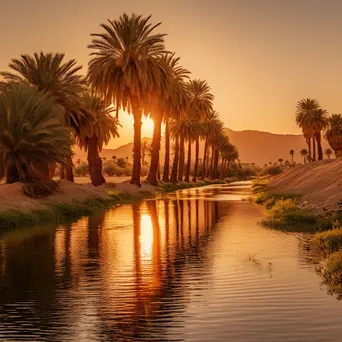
(50, 73)
(280, 160)
(305, 108)
(126, 70)
(328, 152)
(291, 154)
(304, 153)
(32, 134)
(334, 133)
(97, 128)
(114, 158)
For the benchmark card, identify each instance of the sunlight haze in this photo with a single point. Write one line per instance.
(259, 57)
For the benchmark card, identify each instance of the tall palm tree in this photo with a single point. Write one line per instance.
(328, 152)
(211, 128)
(291, 152)
(50, 73)
(317, 120)
(125, 68)
(32, 133)
(174, 105)
(334, 134)
(200, 105)
(304, 109)
(304, 153)
(97, 127)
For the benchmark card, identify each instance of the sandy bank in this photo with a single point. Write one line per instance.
(12, 197)
(319, 183)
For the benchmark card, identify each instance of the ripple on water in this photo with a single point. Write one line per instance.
(195, 266)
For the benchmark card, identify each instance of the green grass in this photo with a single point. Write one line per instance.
(283, 212)
(64, 212)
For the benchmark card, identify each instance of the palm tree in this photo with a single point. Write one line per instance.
(305, 108)
(32, 134)
(280, 160)
(291, 152)
(126, 69)
(50, 73)
(174, 105)
(211, 128)
(317, 121)
(334, 133)
(144, 151)
(97, 127)
(200, 105)
(304, 153)
(328, 153)
(114, 159)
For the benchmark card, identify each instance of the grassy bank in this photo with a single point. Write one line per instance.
(284, 212)
(62, 212)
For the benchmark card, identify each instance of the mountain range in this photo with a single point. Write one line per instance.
(254, 147)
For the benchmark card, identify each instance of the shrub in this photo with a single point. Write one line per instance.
(81, 170)
(127, 171)
(332, 272)
(273, 170)
(109, 169)
(327, 242)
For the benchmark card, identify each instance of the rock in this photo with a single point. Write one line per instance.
(339, 202)
(305, 203)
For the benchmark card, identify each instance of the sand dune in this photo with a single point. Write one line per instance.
(319, 183)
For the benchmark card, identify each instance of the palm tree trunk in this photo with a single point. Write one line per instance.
(226, 173)
(194, 178)
(204, 158)
(222, 168)
(69, 173)
(187, 173)
(181, 158)
(12, 174)
(313, 149)
(319, 145)
(308, 141)
(61, 172)
(212, 160)
(167, 151)
(152, 176)
(292, 159)
(135, 179)
(174, 171)
(215, 166)
(95, 163)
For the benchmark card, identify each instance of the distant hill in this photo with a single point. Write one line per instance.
(254, 147)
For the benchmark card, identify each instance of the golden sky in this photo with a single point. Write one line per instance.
(259, 56)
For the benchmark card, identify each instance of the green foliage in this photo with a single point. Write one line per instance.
(273, 170)
(81, 170)
(31, 131)
(327, 242)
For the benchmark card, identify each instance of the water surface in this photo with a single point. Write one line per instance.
(194, 266)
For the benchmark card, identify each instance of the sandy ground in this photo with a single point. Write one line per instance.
(12, 197)
(319, 183)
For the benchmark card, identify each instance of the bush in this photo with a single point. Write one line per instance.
(127, 171)
(332, 273)
(109, 169)
(81, 170)
(144, 171)
(273, 170)
(248, 172)
(327, 242)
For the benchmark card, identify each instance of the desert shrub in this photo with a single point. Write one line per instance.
(39, 188)
(127, 171)
(327, 242)
(121, 162)
(273, 170)
(332, 272)
(81, 170)
(109, 169)
(144, 171)
(248, 172)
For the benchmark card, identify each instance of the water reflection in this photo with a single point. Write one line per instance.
(100, 278)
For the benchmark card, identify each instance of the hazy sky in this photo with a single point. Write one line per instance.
(259, 56)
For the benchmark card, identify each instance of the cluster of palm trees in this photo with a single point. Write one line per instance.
(314, 120)
(46, 106)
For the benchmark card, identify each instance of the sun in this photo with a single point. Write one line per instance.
(147, 127)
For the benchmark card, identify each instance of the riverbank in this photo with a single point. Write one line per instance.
(73, 200)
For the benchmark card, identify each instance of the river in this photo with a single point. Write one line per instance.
(191, 266)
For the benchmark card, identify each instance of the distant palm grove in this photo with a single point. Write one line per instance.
(47, 106)
(315, 121)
